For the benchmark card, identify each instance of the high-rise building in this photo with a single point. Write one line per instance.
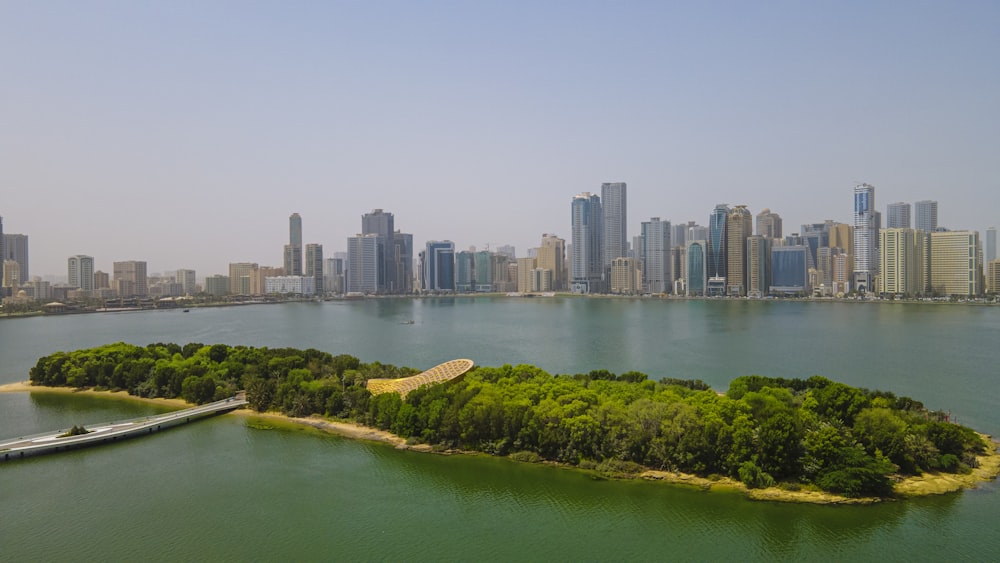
(789, 270)
(552, 256)
(381, 223)
(241, 277)
(625, 278)
(993, 277)
(758, 265)
(865, 237)
(615, 223)
(656, 260)
(769, 224)
(314, 266)
(439, 266)
(739, 227)
(525, 267)
(897, 215)
(716, 263)
(679, 235)
(695, 256)
(842, 265)
(80, 272)
(403, 276)
(130, 279)
(507, 250)
(187, 280)
(541, 279)
(12, 274)
(16, 249)
(102, 280)
(333, 275)
(899, 263)
(696, 232)
(816, 236)
(483, 271)
(293, 250)
(587, 262)
(3, 254)
(217, 285)
(991, 244)
(363, 259)
(956, 263)
(926, 215)
(464, 271)
(842, 236)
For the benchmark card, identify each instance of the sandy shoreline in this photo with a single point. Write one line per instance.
(922, 485)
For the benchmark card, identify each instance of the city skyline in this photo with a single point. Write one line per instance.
(242, 120)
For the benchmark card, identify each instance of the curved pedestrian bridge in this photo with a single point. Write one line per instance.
(447, 371)
(103, 433)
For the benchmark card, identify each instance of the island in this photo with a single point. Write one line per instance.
(805, 440)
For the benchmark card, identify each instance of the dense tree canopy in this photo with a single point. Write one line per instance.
(762, 431)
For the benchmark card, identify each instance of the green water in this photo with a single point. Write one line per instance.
(223, 490)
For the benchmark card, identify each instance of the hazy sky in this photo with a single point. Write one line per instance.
(184, 133)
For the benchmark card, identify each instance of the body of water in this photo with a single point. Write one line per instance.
(224, 489)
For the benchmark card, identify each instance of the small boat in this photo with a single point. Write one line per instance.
(406, 322)
(187, 310)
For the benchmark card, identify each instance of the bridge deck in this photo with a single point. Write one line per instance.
(50, 442)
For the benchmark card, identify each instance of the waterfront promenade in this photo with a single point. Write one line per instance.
(103, 433)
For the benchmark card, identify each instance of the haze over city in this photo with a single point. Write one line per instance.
(185, 134)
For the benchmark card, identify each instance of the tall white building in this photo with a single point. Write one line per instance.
(80, 270)
(865, 238)
(657, 264)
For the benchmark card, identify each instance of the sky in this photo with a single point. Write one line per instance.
(185, 133)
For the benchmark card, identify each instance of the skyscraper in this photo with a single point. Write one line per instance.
(80, 270)
(899, 262)
(758, 265)
(3, 255)
(587, 263)
(187, 280)
(16, 249)
(363, 259)
(897, 215)
(552, 256)
(657, 264)
(465, 261)
(293, 250)
(991, 244)
(439, 266)
(403, 275)
(716, 264)
(380, 223)
(789, 270)
(739, 227)
(483, 271)
(695, 257)
(926, 215)
(956, 263)
(769, 224)
(241, 277)
(865, 234)
(615, 223)
(314, 266)
(130, 278)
